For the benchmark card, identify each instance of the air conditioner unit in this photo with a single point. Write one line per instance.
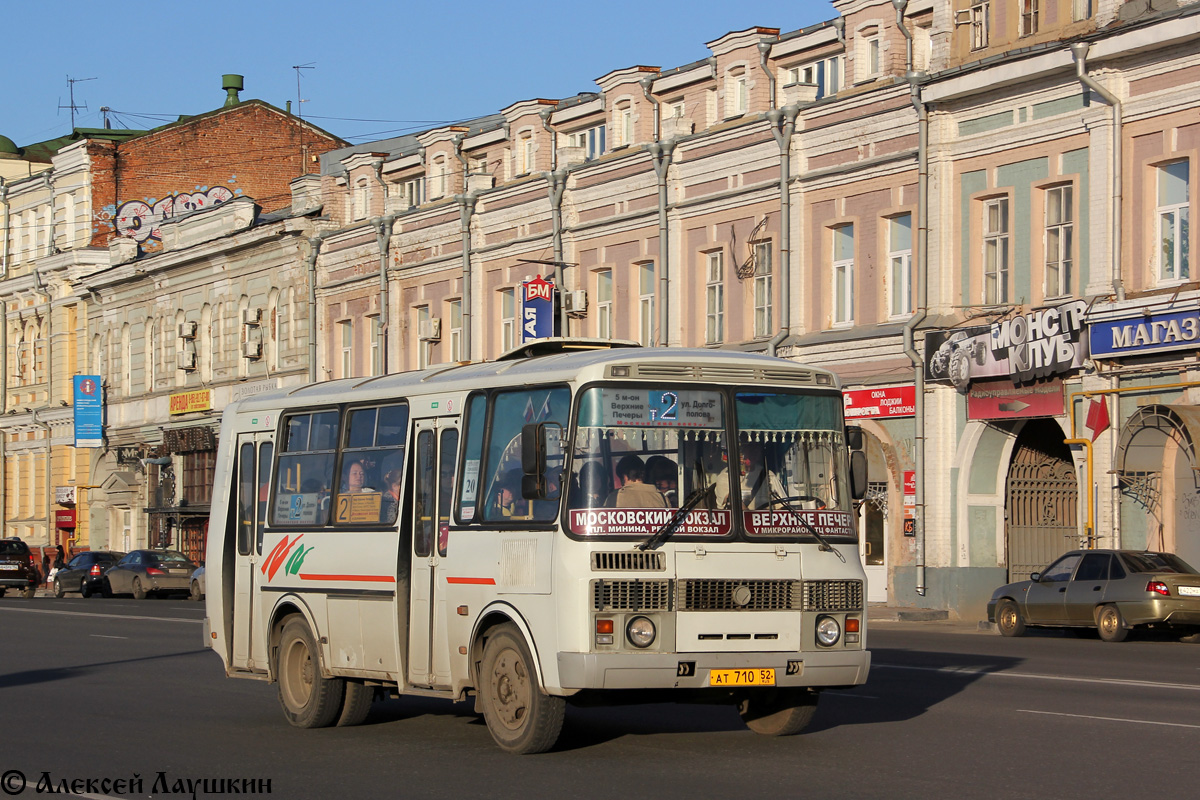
(251, 316)
(252, 349)
(430, 330)
(186, 359)
(187, 330)
(575, 302)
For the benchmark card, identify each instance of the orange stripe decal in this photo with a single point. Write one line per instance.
(308, 576)
(481, 581)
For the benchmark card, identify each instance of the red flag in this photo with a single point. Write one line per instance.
(1097, 417)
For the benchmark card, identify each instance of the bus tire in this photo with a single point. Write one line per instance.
(519, 715)
(357, 704)
(778, 712)
(308, 700)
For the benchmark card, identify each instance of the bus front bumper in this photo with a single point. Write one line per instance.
(814, 669)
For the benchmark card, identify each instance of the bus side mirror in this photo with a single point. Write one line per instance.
(854, 437)
(858, 474)
(533, 461)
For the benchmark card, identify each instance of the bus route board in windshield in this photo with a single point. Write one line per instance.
(627, 407)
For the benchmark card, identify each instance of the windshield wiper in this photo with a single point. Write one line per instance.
(824, 544)
(660, 537)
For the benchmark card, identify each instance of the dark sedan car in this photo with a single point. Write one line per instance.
(85, 573)
(143, 572)
(1113, 591)
(17, 570)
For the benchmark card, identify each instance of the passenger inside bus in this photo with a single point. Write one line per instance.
(594, 486)
(391, 496)
(760, 485)
(506, 497)
(664, 475)
(355, 478)
(634, 491)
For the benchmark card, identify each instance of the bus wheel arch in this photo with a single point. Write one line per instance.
(286, 608)
(493, 617)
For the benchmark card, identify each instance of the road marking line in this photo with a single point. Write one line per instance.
(90, 614)
(102, 636)
(985, 672)
(858, 696)
(1109, 719)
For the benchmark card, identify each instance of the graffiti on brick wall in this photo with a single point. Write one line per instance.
(140, 220)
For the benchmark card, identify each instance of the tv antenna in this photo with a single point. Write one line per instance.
(300, 113)
(71, 88)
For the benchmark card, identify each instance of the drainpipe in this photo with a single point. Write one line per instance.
(661, 153)
(764, 48)
(466, 207)
(310, 263)
(383, 236)
(462, 160)
(922, 310)
(545, 115)
(647, 83)
(783, 125)
(839, 27)
(558, 182)
(7, 219)
(49, 475)
(49, 180)
(1080, 51)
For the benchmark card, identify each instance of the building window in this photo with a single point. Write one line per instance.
(1029, 17)
(412, 192)
(479, 165)
(676, 110)
(604, 304)
(900, 265)
(1081, 10)
(978, 14)
(646, 303)
(869, 53)
(1060, 234)
(376, 332)
(714, 297)
(623, 120)
(455, 315)
(508, 320)
(1172, 212)
(346, 338)
(199, 469)
(440, 178)
(825, 74)
(843, 275)
(359, 199)
(995, 251)
(423, 346)
(763, 289)
(148, 354)
(737, 94)
(524, 154)
(590, 140)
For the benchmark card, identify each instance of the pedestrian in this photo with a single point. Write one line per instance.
(45, 567)
(60, 560)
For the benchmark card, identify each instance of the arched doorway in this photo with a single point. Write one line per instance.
(1041, 500)
(873, 521)
(1160, 487)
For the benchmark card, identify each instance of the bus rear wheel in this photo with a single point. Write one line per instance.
(778, 712)
(308, 700)
(519, 715)
(357, 704)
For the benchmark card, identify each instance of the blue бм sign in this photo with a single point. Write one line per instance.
(1145, 334)
(89, 411)
(537, 318)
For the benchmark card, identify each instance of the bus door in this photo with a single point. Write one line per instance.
(436, 457)
(255, 453)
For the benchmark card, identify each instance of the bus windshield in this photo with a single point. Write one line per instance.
(640, 454)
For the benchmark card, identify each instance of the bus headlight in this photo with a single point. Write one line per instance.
(640, 632)
(828, 631)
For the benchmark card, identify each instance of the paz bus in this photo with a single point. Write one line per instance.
(567, 524)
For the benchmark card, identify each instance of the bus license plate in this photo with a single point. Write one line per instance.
(756, 676)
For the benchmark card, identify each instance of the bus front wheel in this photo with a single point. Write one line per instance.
(778, 712)
(308, 700)
(519, 715)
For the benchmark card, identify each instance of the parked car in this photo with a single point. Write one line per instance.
(85, 572)
(142, 572)
(198, 585)
(17, 570)
(1113, 591)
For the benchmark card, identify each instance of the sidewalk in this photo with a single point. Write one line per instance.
(931, 617)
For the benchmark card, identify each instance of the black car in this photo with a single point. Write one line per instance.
(17, 570)
(85, 573)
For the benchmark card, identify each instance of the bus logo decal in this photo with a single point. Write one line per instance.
(277, 555)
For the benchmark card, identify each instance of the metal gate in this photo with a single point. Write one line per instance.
(1042, 505)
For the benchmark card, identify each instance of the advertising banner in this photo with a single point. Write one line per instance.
(89, 411)
(1002, 400)
(537, 315)
(1024, 348)
(885, 402)
(187, 402)
(1178, 330)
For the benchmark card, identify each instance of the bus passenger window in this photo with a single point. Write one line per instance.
(305, 470)
(373, 453)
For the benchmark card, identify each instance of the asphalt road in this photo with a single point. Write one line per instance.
(116, 688)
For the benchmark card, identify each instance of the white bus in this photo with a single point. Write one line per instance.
(565, 524)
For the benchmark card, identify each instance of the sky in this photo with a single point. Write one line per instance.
(375, 69)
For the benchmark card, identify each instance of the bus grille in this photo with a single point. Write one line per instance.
(746, 595)
(833, 595)
(632, 595)
(632, 561)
